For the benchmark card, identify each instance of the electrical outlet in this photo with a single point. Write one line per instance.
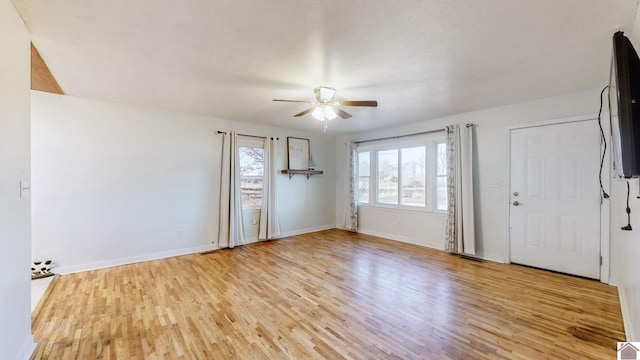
(180, 233)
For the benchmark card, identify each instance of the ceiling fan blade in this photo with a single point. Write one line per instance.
(371, 103)
(303, 112)
(295, 101)
(343, 114)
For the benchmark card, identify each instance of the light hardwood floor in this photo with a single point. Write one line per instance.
(326, 295)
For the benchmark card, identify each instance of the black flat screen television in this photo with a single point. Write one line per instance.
(624, 110)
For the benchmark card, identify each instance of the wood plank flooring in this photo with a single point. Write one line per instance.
(327, 295)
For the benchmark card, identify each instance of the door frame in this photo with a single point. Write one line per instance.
(606, 182)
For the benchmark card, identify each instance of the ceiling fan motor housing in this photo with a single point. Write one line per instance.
(324, 94)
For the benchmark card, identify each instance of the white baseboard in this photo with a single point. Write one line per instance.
(420, 242)
(161, 255)
(404, 239)
(28, 348)
(307, 230)
(492, 257)
(627, 318)
(130, 260)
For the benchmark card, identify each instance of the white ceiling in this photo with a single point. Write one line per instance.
(421, 59)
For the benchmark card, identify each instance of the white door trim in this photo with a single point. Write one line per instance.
(604, 206)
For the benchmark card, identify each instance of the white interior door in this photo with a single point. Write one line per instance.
(555, 198)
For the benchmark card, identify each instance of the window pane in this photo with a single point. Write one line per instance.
(388, 176)
(413, 176)
(364, 163)
(442, 159)
(363, 189)
(441, 193)
(251, 175)
(364, 169)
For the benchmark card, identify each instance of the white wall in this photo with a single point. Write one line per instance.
(625, 245)
(491, 203)
(16, 341)
(113, 183)
(625, 254)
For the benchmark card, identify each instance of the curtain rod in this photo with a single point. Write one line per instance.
(254, 136)
(399, 136)
(407, 135)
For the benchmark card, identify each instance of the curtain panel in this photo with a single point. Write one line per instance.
(269, 222)
(351, 205)
(460, 231)
(231, 230)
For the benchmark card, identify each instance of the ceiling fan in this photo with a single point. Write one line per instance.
(325, 106)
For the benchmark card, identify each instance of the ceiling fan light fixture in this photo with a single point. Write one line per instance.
(325, 108)
(323, 113)
(324, 93)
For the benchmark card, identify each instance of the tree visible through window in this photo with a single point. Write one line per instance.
(251, 175)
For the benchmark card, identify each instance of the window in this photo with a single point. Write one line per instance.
(251, 172)
(410, 175)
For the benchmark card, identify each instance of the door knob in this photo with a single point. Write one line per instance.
(516, 203)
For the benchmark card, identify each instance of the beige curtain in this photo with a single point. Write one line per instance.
(460, 237)
(269, 222)
(231, 232)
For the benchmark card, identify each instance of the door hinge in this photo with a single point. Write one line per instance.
(600, 259)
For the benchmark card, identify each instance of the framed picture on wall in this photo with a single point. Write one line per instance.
(298, 153)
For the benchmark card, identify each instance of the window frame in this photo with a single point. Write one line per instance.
(430, 144)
